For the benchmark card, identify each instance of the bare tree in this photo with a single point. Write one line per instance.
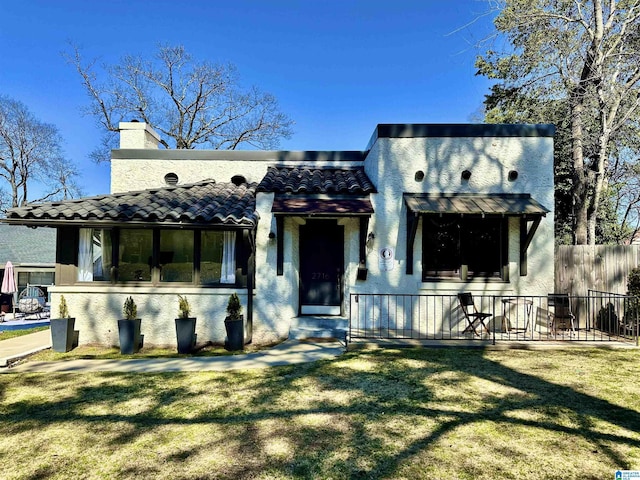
(31, 153)
(588, 53)
(191, 103)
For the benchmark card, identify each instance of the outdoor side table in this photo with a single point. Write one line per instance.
(514, 304)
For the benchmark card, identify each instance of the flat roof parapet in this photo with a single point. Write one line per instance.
(423, 130)
(240, 155)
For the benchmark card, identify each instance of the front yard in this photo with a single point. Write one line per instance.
(425, 413)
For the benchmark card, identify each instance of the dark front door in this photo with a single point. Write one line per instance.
(321, 267)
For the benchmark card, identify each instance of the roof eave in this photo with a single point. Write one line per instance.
(128, 223)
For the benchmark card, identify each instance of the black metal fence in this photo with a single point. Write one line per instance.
(599, 316)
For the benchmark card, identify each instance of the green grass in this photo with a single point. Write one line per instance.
(6, 334)
(410, 413)
(87, 352)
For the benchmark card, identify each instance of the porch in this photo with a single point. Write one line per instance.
(596, 317)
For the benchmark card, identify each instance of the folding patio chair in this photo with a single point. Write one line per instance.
(471, 313)
(561, 318)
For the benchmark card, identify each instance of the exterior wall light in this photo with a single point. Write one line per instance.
(419, 176)
(370, 239)
(466, 174)
(513, 175)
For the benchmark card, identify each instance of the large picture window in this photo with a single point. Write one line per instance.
(157, 255)
(463, 247)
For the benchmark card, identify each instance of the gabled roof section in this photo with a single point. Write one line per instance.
(204, 203)
(316, 180)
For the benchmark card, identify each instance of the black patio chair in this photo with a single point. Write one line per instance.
(471, 313)
(561, 317)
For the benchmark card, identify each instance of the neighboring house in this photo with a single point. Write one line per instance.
(32, 252)
(424, 209)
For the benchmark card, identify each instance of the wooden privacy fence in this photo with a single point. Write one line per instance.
(580, 268)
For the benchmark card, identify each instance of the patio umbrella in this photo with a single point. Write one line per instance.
(9, 286)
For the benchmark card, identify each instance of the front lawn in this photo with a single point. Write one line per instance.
(409, 413)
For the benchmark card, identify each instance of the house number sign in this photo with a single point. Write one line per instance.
(387, 259)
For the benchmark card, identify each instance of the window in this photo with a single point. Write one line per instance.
(35, 278)
(157, 255)
(176, 255)
(135, 257)
(463, 247)
(211, 257)
(94, 255)
(217, 263)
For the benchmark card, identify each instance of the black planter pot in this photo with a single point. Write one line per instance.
(63, 337)
(129, 334)
(186, 334)
(235, 334)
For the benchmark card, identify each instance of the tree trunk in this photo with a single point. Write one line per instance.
(14, 193)
(580, 203)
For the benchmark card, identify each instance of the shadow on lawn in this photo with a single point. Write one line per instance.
(346, 397)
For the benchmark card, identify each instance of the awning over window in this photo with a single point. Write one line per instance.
(502, 204)
(474, 204)
(321, 205)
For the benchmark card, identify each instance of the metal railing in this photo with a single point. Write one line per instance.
(599, 316)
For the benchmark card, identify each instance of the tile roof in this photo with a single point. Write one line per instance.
(474, 204)
(202, 203)
(316, 180)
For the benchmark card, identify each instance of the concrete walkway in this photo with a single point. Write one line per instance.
(19, 347)
(287, 353)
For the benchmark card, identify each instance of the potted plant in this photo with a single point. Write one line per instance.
(185, 326)
(63, 336)
(129, 328)
(234, 324)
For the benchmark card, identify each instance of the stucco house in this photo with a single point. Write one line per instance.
(423, 209)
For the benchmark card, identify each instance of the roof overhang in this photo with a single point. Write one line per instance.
(322, 206)
(474, 204)
(82, 223)
(205, 204)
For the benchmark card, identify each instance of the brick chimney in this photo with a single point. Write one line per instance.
(138, 135)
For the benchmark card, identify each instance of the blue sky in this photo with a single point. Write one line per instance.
(338, 68)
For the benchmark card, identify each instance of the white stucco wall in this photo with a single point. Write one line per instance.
(145, 169)
(98, 308)
(132, 174)
(392, 164)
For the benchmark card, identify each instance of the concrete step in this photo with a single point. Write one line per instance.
(318, 327)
